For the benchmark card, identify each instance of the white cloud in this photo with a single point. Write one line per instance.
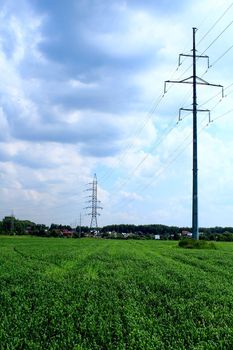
(67, 111)
(131, 195)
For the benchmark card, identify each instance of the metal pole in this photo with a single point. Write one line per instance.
(194, 80)
(80, 223)
(195, 233)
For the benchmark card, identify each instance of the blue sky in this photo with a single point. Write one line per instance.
(81, 92)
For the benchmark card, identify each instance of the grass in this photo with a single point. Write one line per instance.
(101, 294)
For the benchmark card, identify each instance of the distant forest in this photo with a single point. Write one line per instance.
(12, 226)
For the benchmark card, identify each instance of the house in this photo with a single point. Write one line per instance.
(66, 233)
(186, 234)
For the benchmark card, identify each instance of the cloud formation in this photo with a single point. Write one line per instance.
(82, 92)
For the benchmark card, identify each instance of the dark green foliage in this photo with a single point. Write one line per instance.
(38, 230)
(225, 237)
(12, 226)
(84, 231)
(141, 231)
(167, 232)
(194, 244)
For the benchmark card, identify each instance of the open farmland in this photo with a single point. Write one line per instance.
(109, 294)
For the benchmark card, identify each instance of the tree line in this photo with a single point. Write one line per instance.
(12, 226)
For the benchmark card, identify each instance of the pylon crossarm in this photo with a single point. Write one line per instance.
(190, 110)
(202, 80)
(203, 110)
(182, 55)
(197, 56)
(175, 82)
(183, 109)
(186, 81)
(208, 60)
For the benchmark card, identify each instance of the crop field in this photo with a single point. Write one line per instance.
(110, 294)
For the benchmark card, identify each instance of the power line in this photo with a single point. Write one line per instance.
(223, 115)
(201, 24)
(147, 155)
(223, 31)
(172, 155)
(171, 159)
(142, 126)
(138, 132)
(221, 56)
(176, 156)
(142, 161)
(149, 115)
(163, 136)
(215, 23)
(130, 146)
(157, 143)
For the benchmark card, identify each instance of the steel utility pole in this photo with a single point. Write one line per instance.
(195, 232)
(94, 204)
(80, 225)
(12, 228)
(194, 80)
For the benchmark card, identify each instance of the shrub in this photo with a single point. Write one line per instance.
(190, 243)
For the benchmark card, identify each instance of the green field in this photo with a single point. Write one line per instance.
(110, 294)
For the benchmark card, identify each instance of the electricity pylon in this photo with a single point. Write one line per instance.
(194, 80)
(93, 204)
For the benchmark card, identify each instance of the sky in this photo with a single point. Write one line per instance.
(82, 93)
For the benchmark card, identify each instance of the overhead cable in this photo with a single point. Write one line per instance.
(215, 23)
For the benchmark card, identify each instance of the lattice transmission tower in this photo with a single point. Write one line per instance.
(94, 204)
